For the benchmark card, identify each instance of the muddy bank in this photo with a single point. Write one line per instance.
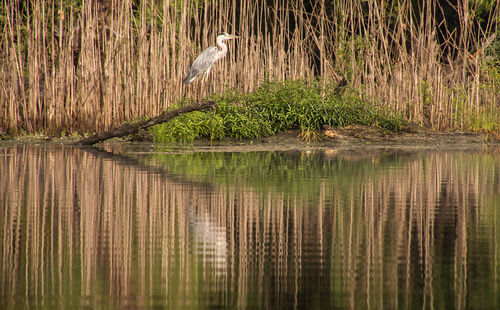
(330, 140)
(347, 137)
(411, 135)
(358, 135)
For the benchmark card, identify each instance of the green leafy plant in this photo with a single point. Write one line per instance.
(275, 107)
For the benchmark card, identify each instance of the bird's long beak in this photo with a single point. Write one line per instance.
(234, 36)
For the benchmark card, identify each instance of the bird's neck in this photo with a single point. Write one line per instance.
(222, 45)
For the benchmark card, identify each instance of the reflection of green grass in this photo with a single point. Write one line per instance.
(297, 173)
(273, 108)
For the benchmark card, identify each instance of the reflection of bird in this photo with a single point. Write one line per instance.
(208, 58)
(210, 241)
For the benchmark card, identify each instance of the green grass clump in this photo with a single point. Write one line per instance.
(188, 127)
(273, 108)
(486, 122)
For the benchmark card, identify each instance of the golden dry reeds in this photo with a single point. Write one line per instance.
(82, 66)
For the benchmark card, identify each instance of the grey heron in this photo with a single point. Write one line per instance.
(208, 58)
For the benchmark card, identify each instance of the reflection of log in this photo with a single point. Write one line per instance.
(128, 129)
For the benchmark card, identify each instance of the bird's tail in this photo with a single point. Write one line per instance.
(188, 79)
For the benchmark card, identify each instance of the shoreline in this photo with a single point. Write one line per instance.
(354, 137)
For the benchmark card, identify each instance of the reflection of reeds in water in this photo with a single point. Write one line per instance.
(82, 226)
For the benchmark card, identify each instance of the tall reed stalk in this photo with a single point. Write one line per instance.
(88, 65)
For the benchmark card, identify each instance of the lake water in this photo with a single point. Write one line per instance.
(377, 228)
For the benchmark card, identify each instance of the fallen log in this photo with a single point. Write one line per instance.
(128, 129)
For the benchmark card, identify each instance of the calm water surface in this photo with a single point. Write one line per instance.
(322, 229)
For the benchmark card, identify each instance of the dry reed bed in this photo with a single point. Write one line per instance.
(89, 65)
(144, 228)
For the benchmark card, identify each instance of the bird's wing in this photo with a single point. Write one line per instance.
(204, 61)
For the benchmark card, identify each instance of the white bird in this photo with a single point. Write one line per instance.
(208, 58)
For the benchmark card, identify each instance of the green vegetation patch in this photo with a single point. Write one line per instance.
(277, 107)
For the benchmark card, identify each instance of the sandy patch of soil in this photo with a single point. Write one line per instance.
(412, 135)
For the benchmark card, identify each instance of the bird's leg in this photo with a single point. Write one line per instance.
(205, 76)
